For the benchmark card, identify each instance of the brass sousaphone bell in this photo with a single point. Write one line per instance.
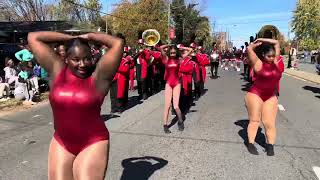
(151, 37)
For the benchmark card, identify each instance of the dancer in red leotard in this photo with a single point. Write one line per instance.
(80, 145)
(173, 87)
(261, 100)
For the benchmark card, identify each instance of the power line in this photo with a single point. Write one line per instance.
(132, 20)
(236, 23)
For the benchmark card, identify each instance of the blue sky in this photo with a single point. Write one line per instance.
(243, 18)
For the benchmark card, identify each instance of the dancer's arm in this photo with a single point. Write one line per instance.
(188, 53)
(44, 54)
(274, 42)
(254, 61)
(109, 62)
(163, 54)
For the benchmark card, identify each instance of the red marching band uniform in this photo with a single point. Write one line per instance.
(186, 70)
(203, 61)
(122, 77)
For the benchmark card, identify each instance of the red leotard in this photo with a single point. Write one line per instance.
(76, 106)
(267, 81)
(171, 75)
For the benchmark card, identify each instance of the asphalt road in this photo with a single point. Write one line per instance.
(211, 147)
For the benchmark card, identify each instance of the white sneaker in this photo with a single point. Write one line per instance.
(3, 99)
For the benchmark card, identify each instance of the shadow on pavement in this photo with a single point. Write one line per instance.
(107, 117)
(312, 89)
(141, 168)
(260, 138)
(132, 102)
(245, 87)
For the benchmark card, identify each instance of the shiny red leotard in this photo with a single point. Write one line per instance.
(267, 81)
(76, 106)
(171, 75)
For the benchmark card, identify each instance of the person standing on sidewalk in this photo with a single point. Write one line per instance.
(261, 100)
(294, 62)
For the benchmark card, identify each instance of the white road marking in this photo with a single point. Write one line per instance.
(24, 162)
(36, 116)
(316, 171)
(281, 108)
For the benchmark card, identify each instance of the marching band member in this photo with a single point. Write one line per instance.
(215, 57)
(186, 70)
(120, 83)
(142, 61)
(203, 61)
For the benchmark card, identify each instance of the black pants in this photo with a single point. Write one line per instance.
(156, 83)
(246, 71)
(201, 83)
(214, 66)
(185, 101)
(142, 88)
(113, 96)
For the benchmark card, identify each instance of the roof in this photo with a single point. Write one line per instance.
(28, 26)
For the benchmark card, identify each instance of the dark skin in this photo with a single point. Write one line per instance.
(269, 57)
(78, 60)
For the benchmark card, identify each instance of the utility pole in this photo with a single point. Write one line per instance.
(169, 14)
(107, 20)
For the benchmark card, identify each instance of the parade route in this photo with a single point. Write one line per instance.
(210, 147)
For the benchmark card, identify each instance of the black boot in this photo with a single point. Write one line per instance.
(252, 149)
(180, 125)
(270, 150)
(166, 129)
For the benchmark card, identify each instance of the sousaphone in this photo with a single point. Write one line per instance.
(151, 37)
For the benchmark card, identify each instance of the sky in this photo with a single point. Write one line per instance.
(242, 18)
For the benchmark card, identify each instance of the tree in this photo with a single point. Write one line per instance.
(132, 17)
(26, 10)
(306, 24)
(93, 11)
(190, 25)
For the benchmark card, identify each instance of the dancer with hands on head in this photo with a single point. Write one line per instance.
(261, 100)
(171, 59)
(80, 145)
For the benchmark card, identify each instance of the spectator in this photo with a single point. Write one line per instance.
(4, 88)
(318, 61)
(61, 51)
(293, 53)
(22, 89)
(33, 74)
(313, 56)
(10, 71)
(24, 54)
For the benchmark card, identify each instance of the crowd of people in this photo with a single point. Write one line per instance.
(22, 78)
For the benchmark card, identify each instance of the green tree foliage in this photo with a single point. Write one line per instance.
(132, 17)
(306, 24)
(190, 25)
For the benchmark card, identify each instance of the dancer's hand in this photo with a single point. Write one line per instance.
(255, 44)
(86, 36)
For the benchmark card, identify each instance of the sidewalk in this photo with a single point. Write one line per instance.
(303, 75)
(307, 72)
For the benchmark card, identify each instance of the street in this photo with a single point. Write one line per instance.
(210, 147)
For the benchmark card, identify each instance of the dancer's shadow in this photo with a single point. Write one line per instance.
(245, 87)
(132, 102)
(141, 168)
(312, 89)
(107, 117)
(260, 137)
